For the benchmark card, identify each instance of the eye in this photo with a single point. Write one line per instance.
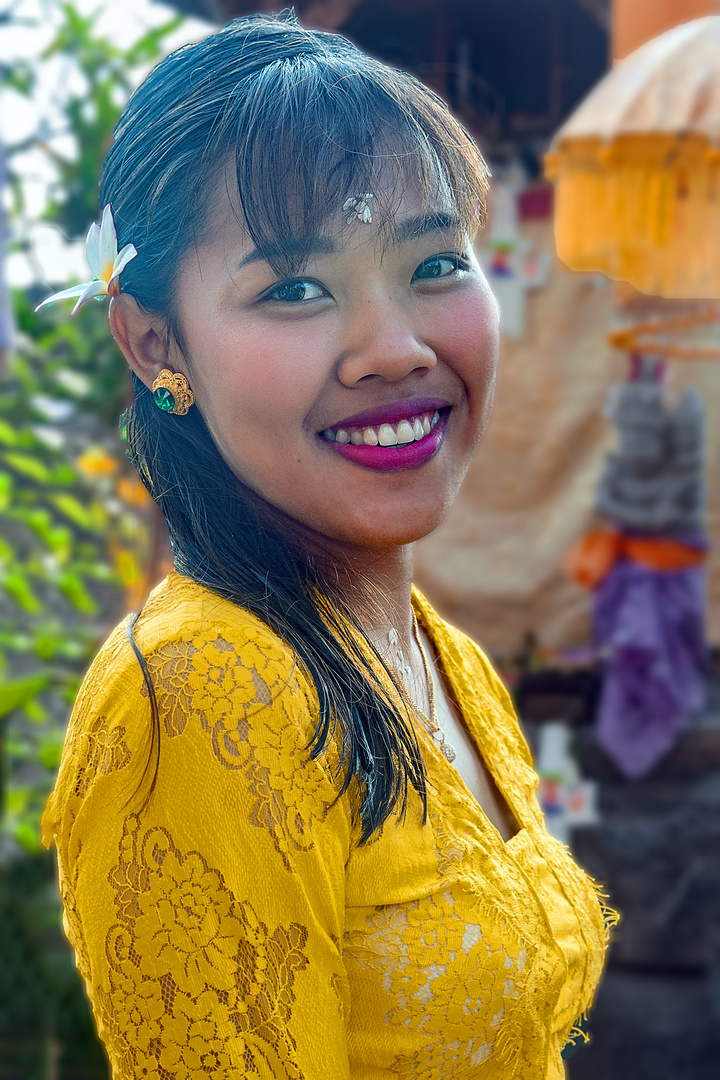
(439, 266)
(294, 292)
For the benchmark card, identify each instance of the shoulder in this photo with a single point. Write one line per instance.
(187, 633)
(228, 690)
(180, 609)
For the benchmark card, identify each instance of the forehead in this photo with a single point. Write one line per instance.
(395, 211)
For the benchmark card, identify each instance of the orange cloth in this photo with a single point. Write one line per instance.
(592, 558)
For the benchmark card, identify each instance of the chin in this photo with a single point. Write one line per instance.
(391, 533)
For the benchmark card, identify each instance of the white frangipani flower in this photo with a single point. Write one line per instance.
(105, 261)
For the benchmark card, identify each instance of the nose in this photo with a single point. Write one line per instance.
(382, 341)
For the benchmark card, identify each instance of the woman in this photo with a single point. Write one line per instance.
(295, 815)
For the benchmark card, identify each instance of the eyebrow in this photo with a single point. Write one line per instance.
(300, 250)
(416, 227)
(293, 250)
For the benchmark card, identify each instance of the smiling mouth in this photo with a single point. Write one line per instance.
(410, 430)
(407, 443)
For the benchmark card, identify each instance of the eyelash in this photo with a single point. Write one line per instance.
(460, 264)
(292, 283)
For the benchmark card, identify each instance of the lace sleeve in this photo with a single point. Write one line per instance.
(208, 926)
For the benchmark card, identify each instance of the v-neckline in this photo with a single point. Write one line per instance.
(474, 730)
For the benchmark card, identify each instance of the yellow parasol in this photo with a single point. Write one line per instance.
(637, 168)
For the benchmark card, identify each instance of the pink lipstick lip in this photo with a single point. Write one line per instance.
(392, 413)
(394, 458)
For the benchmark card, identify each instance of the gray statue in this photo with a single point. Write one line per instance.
(654, 482)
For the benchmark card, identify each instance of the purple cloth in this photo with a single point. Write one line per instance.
(649, 624)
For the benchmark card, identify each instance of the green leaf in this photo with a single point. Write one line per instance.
(20, 76)
(38, 519)
(51, 640)
(86, 518)
(7, 552)
(64, 475)
(29, 466)
(58, 538)
(6, 486)
(14, 695)
(35, 712)
(50, 751)
(27, 834)
(18, 587)
(8, 435)
(17, 642)
(73, 590)
(149, 47)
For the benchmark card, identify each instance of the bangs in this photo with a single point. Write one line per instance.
(298, 123)
(311, 136)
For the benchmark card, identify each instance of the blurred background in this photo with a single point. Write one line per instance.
(583, 550)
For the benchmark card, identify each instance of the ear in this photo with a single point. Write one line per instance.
(142, 338)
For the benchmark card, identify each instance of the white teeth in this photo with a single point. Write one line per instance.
(405, 433)
(386, 436)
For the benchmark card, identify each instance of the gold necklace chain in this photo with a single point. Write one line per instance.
(431, 722)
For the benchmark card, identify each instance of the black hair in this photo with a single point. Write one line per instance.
(305, 118)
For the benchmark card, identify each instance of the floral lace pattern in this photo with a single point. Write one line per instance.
(202, 681)
(101, 751)
(207, 683)
(487, 982)
(457, 974)
(72, 923)
(197, 982)
(236, 916)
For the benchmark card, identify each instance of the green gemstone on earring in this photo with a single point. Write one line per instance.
(164, 399)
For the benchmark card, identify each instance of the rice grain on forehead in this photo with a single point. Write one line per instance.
(309, 121)
(312, 135)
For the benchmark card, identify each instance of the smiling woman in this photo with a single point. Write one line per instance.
(314, 850)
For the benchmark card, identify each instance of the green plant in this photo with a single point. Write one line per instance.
(74, 532)
(109, 74)
(68, 540)
(58, 585)
(46, 1029)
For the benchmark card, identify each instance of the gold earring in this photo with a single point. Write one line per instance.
(171, 393)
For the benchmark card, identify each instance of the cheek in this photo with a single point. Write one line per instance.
(470, 342)
(255, 375)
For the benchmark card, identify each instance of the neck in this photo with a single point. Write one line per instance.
(377, 585)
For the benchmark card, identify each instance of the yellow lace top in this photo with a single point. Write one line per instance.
(236, 927)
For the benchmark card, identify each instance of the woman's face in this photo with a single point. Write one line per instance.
(302, 380)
